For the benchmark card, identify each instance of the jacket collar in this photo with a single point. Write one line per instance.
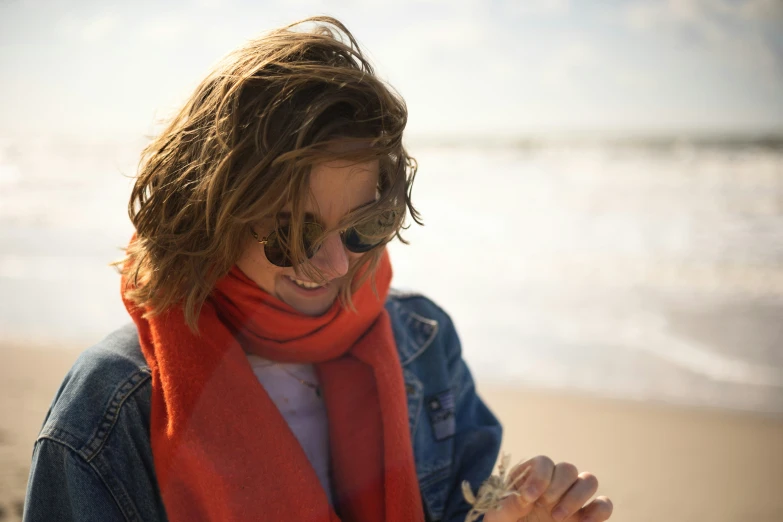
(413, 332)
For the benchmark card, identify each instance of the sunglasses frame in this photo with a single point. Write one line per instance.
(265, 240)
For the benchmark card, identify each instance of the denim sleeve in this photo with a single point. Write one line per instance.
(66, 488)
(478, 434)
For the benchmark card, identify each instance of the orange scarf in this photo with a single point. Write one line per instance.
(221, 448)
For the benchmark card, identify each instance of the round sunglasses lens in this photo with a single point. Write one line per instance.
(274, 251)
(366, 236)
(356, 243)
(277, 250)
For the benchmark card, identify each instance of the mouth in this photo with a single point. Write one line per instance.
(307, 288)
(305, 284)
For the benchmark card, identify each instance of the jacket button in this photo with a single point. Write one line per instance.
(409, 389)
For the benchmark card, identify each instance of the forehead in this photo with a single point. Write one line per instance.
(337, 187)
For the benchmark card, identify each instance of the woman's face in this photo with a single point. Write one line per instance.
(336, 188)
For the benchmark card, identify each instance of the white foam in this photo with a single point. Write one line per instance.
(540, 256)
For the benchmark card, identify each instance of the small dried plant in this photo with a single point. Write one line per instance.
(493, 490)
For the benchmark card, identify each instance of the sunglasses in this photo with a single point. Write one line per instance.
(357, 239)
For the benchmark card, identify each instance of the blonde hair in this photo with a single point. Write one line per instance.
(241, 148)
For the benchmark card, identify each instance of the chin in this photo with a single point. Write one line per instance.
(318, 303)
(313, 309)
(309, 306)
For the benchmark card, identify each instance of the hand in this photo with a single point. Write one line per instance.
(547, 490)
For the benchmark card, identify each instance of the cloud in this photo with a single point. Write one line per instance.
(442, 44)
(567, 62)
(762, 10)
(745, 31)
(454, 35)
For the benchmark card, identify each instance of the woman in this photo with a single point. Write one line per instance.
(270, 373)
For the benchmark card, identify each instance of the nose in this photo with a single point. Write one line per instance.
(331, 259)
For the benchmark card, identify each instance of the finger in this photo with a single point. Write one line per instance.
(531, 478)
(538, 478)
(564, 476)
(598, 510)
(577, 495)
(512, 507)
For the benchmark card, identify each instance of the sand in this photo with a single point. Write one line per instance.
(656, 462)
(29, 378)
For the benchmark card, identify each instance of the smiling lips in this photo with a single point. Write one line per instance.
(307, 285)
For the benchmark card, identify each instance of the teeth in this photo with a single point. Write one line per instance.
(304, 284)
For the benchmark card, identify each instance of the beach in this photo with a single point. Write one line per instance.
(597, 208)
(625, 317)
(29, 378)
(657, 462)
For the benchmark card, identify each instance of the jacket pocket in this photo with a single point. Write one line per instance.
(434, 485)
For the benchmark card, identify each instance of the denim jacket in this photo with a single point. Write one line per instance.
(92, 460)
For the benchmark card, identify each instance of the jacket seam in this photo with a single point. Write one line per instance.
(405, 315)
(435, 475)
(75, 453)
(61, 437)
(406, 295)
(72, 442)
(125, 506)
(87, 450)
(415, 295)
(419, 397)
(420, 349)
(124, 391)
(396, 293)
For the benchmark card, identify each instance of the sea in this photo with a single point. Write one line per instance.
(648, 269)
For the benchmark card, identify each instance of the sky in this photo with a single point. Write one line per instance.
(464, 67)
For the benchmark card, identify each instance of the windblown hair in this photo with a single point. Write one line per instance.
(242, 147)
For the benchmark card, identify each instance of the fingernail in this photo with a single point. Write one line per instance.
(559, 514)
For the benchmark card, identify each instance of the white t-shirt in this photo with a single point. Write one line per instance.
(302, 409)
